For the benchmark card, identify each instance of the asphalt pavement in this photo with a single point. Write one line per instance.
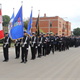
(63, 65)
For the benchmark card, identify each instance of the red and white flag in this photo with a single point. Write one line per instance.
(1, 28)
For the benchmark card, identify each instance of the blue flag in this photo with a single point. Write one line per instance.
(17, 29)
(30, 25)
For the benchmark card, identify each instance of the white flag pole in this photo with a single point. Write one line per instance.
(14, 12)
(32, 18)
(22, 8)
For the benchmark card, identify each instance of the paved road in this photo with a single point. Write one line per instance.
(60, 66)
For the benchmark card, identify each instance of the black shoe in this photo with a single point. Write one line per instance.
(25, 61)
(4, 60)
(22, 61)
(39, 57)
(31, 58)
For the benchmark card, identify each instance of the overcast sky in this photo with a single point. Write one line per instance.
(61, 8)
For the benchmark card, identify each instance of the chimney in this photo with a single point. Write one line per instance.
(45, 15)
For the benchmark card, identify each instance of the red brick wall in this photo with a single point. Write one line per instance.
(44, 25)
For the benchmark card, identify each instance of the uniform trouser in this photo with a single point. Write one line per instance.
(33, 51)
(5, 50)
(63, 46)
(60, 46)
(55, 46)
(48, 48)
(52, 48)
(24, 54)
(39, 51)
(67, 45)
(44, 49)
(17, 50)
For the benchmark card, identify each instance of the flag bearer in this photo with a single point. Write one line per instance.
(33, 45)
(25, 47)
(6, 46)
(39, 46)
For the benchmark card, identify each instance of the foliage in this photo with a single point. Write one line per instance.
(25, 23)
(6, 20)
(76, 31)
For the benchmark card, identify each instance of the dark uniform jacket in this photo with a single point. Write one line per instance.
(6, 42)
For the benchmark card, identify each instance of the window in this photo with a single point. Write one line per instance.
(69, 28)
(50, 24)
(59, 32)
(60, 24)
(63, 26)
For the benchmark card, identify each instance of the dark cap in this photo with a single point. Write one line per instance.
(33, 33)
(44, 34)
(6, 33)
(25, 31)
(41, 32)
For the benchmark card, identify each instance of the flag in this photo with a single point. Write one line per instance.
(38, 26)
(1, 28)
(17, 29)
(30, 25)
(10, 24)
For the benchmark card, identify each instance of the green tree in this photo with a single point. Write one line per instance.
(76, 31)
(25, 23)
(6, 20)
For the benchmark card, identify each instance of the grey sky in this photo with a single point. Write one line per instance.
(61, 8)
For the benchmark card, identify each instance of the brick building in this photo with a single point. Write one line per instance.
(53, 24)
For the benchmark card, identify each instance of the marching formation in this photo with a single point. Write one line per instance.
(42, 45)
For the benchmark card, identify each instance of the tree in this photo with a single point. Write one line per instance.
(76, 31)
(6, 20)
(25, 23)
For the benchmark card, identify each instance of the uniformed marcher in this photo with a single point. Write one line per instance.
(33, 45)
(44, 41)
(52, 43)
(6, 46)
(60, 43)
(56, 42)
(17, 48)
(39, 46)
(25, 47)
(64, 42)
(48, 44)
(67, 43)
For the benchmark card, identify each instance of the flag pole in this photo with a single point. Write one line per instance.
(32, 22)
(14, 11)
(22, 8)
(39, 19)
